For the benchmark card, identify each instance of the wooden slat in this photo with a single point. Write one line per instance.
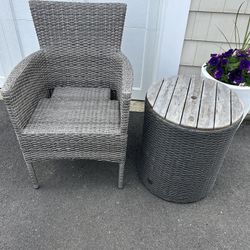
(194, 103)
(153, 92)
(191, 109)
(237, 109)
(164, 96)
(223, 107)
(177, 102)
(207, 106)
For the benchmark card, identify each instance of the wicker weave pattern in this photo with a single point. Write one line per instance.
(64, 24)
(73, 93)
(25, 86)
(66, 117)
(99, 147)
(80, 49)
(181, 164)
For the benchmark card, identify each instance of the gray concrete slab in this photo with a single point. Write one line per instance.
(79, 207)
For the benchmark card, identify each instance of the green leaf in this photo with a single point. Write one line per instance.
(246, 36)
(247, 81)
(233, 59)
(224, 78)
(236, 31)
(223, 34)
(233, 66)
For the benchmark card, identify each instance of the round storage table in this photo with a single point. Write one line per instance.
(188, 127)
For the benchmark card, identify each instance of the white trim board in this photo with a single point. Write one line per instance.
(2, 80)
(174, 19)
(10, 46)
(170, 34)
(1, 97)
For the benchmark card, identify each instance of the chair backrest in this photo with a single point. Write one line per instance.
(98, 26)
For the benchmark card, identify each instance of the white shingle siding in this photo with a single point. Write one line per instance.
(202, 34)
(222, 6)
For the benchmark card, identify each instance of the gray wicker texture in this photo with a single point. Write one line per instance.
(71, 98)
(181, 163)
(73, 93)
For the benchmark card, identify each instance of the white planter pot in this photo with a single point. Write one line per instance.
(241, 91)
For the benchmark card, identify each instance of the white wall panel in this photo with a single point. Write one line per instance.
(133, 47)
(154, 14)
(10, 47)
(150, 56)
(28, 36)
(2, 71)
(2, 74)
(172, 33)
(21, 8)
(6, 61)
(137, 11)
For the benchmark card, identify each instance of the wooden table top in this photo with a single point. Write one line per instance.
(195, 103)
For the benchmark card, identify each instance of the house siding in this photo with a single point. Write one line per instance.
(203, 37)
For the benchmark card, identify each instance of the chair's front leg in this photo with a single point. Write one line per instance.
(121, 174)
(32, 175)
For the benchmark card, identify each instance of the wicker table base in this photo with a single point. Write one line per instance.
(180, 164)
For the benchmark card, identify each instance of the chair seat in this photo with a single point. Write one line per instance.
(73, 93)
(55, 116)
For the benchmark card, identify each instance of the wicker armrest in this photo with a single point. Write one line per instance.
(127, 76)
(24, 87)
(125, 91)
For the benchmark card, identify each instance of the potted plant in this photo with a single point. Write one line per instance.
(232, 67)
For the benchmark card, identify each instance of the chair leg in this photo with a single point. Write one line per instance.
(32, 175)
(121, 174)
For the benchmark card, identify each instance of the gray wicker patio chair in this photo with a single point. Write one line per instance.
(71, 98)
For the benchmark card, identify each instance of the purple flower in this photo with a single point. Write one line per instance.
(248, 51)
(228, 53)
(236, 76)
(240, 53)
(213, 55)
(224, 61)
(218, 73)
(245, 64)
(213, 61)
